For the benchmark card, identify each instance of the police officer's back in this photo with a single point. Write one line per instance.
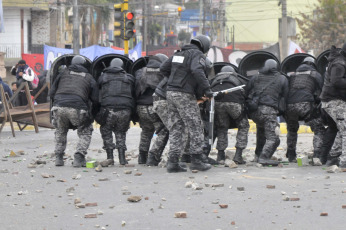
(269, 90)
(117, 106)
(73, 91)
(186, 72)
(303, 97)
(230, 108)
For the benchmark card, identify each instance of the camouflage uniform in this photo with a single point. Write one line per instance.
(268, 130)
(160, 107)
(184, 111)
(63, 118)
(303, 110)
(149, 121)
(224, 112)
(118, 121)
(337, 111)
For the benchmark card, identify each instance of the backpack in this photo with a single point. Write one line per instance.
(30, 75)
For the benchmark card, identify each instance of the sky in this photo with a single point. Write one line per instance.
(257, 20)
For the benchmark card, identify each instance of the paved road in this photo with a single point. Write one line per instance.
(29, 201)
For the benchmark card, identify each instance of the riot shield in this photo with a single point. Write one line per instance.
(252, 62)
(58, 65)
(104, 61)
(139, 64)
(292, 62)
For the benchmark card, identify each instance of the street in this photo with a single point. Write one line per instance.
(42, 196)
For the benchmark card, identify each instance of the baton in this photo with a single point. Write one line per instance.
(212, 107)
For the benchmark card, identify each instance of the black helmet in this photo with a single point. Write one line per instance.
(270, 65)
(343, 50)
(162, 57)
(227, 69)
(202, 41)
(309, 61)
(78, 60)
(117, 62)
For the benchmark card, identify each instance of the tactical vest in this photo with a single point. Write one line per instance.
(150, 78)
(76, 83)
(273, 89)
(328, 72)
(180, 69)
(161, 88)
(303, 80)
(117, 85)
(225, 77)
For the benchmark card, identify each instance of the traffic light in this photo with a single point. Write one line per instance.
(129, 25)
(118, 20)
(179, 10)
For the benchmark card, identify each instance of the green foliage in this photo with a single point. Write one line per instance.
(154, 30)
(326, 27)
(184, 36)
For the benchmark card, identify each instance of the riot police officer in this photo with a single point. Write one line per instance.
(117, 104)
(72, 91)
(267, 94)
(187, 81)
(333, 96)
(147, 79)
(305, 86)
(230, 109)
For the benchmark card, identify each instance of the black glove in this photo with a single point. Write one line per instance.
(208, 93)
(219, 96)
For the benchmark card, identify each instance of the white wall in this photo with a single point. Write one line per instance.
(10, 40)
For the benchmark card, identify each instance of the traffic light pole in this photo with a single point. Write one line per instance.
(126, 47)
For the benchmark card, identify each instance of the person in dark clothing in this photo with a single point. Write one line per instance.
(305, 86)
(117, 105)
(73, 91)
(19, 70)
(7, 90)
(187, 81)
(268, 90)
(231, 108)
(42, 98)
(14, 88)
(333, 96)
(147, 79)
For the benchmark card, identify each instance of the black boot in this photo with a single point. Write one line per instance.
(122, 158)
(59, 159)
(238, 158)
(265, 160)
(198, 164)
(153, 160)
(291, 155)
(173, 165)
(185, 158)
(79, 160)
(142, 157)
(221, 156)
(110, 156)
(332, 161)
(208, 160)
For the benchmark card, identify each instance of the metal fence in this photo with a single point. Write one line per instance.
(11, 50)
(14, 50)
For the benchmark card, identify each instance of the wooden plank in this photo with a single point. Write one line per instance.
(31, 106)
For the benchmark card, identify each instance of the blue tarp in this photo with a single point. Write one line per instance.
(91, 52)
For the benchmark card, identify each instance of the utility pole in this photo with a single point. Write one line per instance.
(284, 29)
(200, 15)
(233, 43)
(145, 24)
(75, 27)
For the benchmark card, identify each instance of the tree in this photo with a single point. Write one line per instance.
(184, 37)
(326, 27)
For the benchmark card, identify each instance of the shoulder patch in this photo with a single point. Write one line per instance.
(202, 61)
(178, 59)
